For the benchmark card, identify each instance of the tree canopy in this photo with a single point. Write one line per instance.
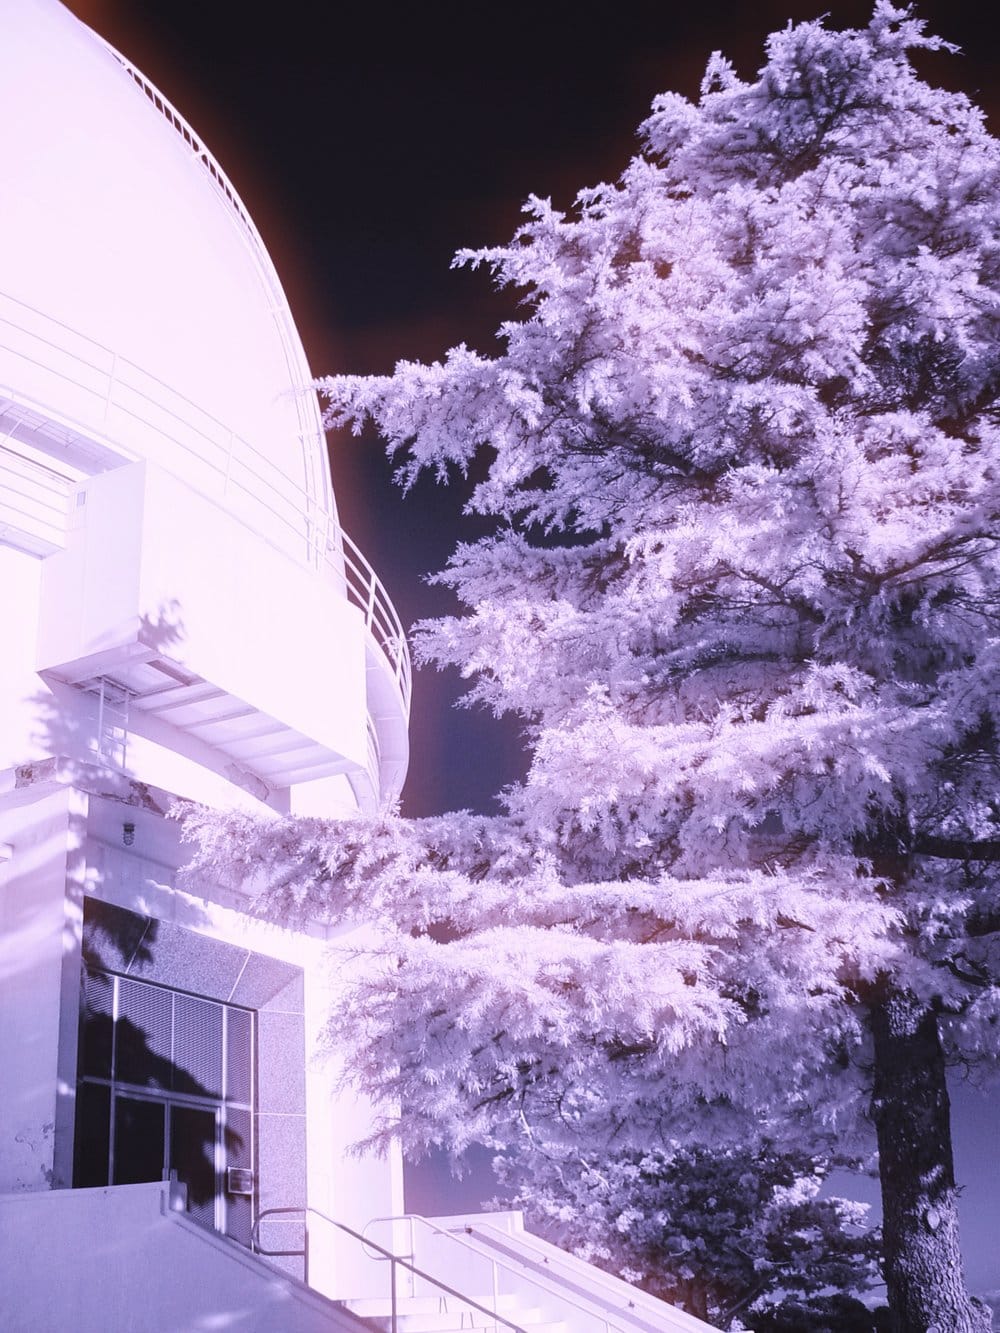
(723, 1232)
(741, 451)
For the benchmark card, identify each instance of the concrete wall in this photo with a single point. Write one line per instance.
(121, 1259)
(65, 845)
(22, 693)
(37, 1037)
(155, 569)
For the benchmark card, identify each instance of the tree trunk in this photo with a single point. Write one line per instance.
(923, 1263)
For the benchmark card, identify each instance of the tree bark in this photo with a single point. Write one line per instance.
(922, 1259)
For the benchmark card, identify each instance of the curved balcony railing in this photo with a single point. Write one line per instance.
(103, 395)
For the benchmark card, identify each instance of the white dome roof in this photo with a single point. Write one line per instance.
(148, 313)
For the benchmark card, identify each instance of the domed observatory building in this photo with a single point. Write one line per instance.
(182, 617)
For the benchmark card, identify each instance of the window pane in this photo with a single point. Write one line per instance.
(95, 1025)
(239, 1207)
(239, 1066)
(92, 1138)
(139, 1142)
(192, 1156)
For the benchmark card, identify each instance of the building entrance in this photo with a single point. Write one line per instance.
(165, 1087)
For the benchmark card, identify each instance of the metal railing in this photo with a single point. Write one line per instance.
(211, 165)
(117, 389)
(395, 1261)
(639, 1302)
(515, 1267)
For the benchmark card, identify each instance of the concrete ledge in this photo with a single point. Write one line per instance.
(124, 1260)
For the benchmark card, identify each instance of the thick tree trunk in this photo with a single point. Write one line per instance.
(923, 1263)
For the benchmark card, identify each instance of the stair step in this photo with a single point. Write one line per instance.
(448, 1324)
(372, 1306)
(431, 1314)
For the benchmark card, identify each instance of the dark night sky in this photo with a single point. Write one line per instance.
(370, 142)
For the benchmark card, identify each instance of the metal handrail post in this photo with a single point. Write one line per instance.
(112, 375)
(229, 463)
(392, 1294)
(517, 1266)
(393, 1259)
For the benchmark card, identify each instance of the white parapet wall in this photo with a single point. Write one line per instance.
(124, 1258)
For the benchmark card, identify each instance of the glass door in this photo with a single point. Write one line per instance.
(165, 1087)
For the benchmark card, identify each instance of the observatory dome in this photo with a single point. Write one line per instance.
(135, 292)
(162, 456)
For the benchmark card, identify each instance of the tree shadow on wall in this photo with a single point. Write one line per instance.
(82, 717)
(142, 1113)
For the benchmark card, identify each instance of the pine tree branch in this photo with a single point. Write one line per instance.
(957, 849)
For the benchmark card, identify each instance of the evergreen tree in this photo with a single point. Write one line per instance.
(741, 451)
(726, 1234)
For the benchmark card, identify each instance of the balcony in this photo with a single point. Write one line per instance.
(70, 409)
(171, 600)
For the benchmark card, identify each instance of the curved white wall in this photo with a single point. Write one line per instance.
(127, 272)
(142, 322)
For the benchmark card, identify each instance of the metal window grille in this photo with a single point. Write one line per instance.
(166, 1084)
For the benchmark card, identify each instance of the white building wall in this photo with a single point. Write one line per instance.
(21, 689)
(43, 835)
(122, 1259)
(165, 506)
(155, 571)
(136, 299)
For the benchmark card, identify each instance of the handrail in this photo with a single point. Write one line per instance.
(211, 164)
(552, 1288)
(394, 1259)
(564, 1261)
(639, 1300)
(119, 384)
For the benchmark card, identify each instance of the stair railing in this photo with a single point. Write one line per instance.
(639, 1301)
(516, 1267)
(395, 1261)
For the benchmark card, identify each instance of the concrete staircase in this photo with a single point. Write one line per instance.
(533, 1286)
(130, 1260)
(448, 1314)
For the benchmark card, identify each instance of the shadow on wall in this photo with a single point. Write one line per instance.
(146, 1094)
(144, 1145)
(81, 727)
(180, 1050)
(50, 871)
(164, 1076)
(191, 1060)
